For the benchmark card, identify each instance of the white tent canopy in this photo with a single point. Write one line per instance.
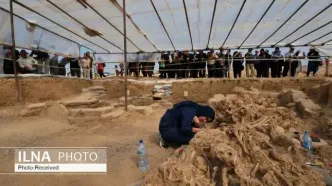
(166, 25)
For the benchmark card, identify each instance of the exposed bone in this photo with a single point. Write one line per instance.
(254, 170)
(224, 176)
(284, 179)
(214, 172)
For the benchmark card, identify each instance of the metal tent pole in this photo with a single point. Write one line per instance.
(14, 53)
(125, 51)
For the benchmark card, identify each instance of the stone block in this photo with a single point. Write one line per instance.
(291, 96)
(307, 108)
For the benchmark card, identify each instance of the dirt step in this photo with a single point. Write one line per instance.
(33, 109)
(114, 114)
(90, 112)
(94, 89)
(89, 103)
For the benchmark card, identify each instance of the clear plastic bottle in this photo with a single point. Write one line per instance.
(307, 144)
(142, 159)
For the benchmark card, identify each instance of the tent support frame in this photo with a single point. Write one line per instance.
(238, 15)
(305, 23)
(257, 24)
(185, 10)
(92, 8)
(310, 32)
(161, 22)
(319, 37)
(305, 2)
(56, 6)
(125, 53)
(14, 53)
(63, 27)
(214, 12)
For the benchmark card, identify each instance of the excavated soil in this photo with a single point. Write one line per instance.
(250, 143)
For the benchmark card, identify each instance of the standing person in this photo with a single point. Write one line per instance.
(177, 64)
(266, 64)
(228, 59)
(169, 65)
(8, 64)
(295, 63)
(211, 63)
(117, 70)
(184, 64)
(260, 64)
(237, 64)
(54, 62)
(180, 124)
(274, 65)
(314, 61)
(289, 61)
(100, 69)
(301, 56)
(122, 69)
(162, 67)
(150, 68)
(62, 66)
(85, 63)
(221, 63)
(191, 65)
(90, 65)
(26, 63)
(256, 62)
(42, 58)
(201, 63)
(250, 63)
(195, 66)
(75, 68)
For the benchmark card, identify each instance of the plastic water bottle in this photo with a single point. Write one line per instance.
(142, 159)
(307, 144)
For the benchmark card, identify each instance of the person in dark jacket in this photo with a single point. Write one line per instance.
(8, 65)
(179, 124)
(237, 64)
(260, 63)
(266, 64)
(201, 63)
(75, 69)
(41, 57)
(314, 61)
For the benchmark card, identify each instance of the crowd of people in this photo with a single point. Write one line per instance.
(39, 62)
(256, 64)
(178, 65)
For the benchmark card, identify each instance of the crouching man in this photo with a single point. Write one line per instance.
(180, 124)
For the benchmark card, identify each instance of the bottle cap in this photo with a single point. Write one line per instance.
(140, 141)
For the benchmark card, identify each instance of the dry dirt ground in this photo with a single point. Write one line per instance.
(247, 135)
(119, 135)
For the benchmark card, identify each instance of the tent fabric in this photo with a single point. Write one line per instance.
(325, 50)
(231, 20)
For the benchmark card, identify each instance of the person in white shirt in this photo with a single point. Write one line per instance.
(289, 60)
(85, 63)
(27, 64)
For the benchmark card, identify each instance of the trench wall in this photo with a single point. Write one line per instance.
(202, 90)
(116, 87)
(39, 89)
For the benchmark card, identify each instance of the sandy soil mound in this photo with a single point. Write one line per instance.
(250, 144)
